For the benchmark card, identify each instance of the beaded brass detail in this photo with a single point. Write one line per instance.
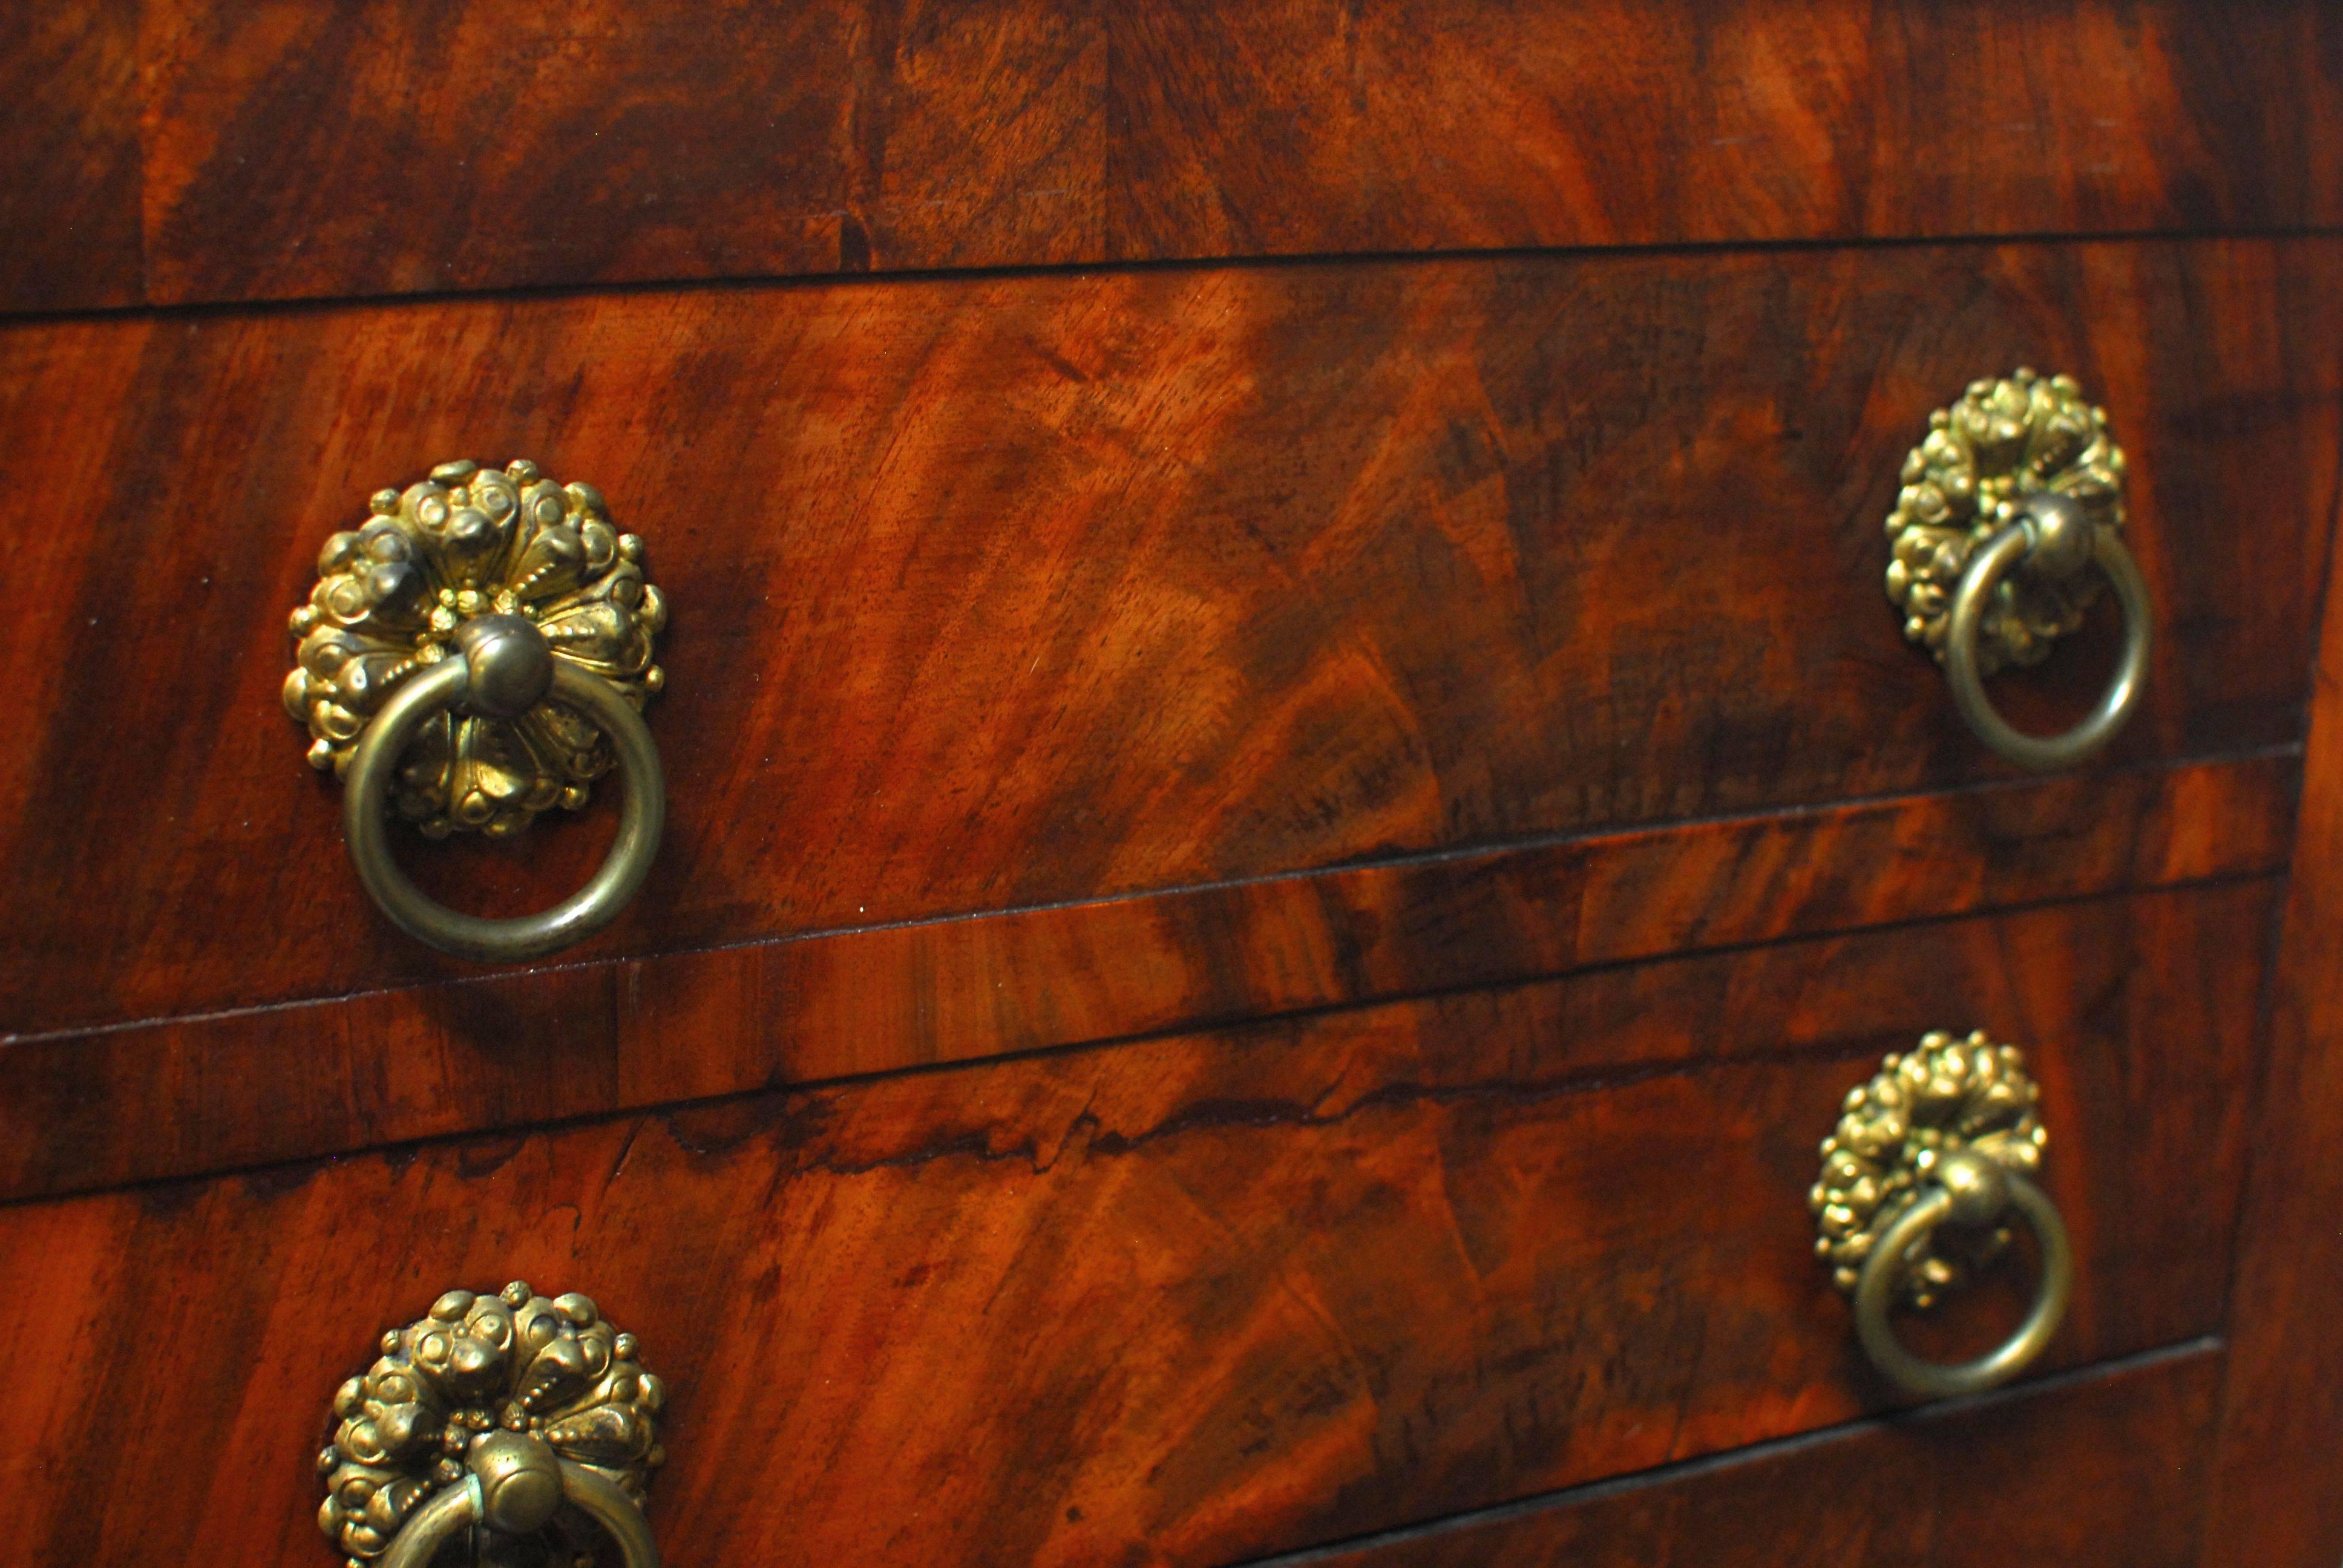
(1951, 1093)
(476, 1365)
(391, 593)
(2006, 438)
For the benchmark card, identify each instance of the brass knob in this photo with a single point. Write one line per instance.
(475, 653)
(2013, 494)
(1929, 1161)
(519, 1413)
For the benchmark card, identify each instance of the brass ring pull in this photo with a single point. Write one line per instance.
(1969, 1189)
(1928, 1161)
(2013, 494)
(474, 654)
(523, 1415)
(501, 652)
(515, 1485)
(2050, 527)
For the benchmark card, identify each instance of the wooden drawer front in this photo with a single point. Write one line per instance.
(270, 1085)
(1001, 593)
(244, 148)
(1177, 1301)
(2106, 1471)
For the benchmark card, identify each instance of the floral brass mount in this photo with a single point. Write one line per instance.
(1948, 1095)
(495, 1408)
(2016, 490)
(1929, 1161)
(391, 596)
(477, 652)
(2005, 439)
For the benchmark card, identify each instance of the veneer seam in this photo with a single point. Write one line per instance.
(174, 310)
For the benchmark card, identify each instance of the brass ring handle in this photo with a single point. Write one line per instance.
(474, 654)
(1929, 1161)
(1974, 1190)
(2014, 493)
(455, 683)
(524, 1414)
(527, 1488)
(2046, 522)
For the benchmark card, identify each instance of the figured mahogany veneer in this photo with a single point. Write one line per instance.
(1276, 862)
(998, 593)
(83, 1110)
(69, 157)
(293, 148)
(1175, 1301)
(2101, 1473)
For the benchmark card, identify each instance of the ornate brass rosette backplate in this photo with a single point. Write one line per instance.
(1951, 1093)
(551, 1368)
(2004, 441)
(470, 541)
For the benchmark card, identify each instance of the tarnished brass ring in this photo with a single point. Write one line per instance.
(459, 1508)
(365, 821)
(2046, 753)
(1882, 1270)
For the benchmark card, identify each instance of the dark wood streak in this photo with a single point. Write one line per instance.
(419, 146)
(1173, 1301)
(69, 164)
(2102, 1473)
(1014, 591)
(82, 1111)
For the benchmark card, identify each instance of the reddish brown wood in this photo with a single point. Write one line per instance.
(300, 149)
(426, 146)
(2278, 1493)
(1315, 126)
(1173, 1301)
(69, 168)
(2104, 1473)
(80, 1110)
(997, 593)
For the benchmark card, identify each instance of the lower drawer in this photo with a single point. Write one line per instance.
(2103, 1472)
(1185, 1300)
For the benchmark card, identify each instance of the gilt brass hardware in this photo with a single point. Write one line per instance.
(495, 1411)
(475, 653)
(1919, 1178)
(2015, 491)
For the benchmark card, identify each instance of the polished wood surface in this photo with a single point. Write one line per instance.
(2106, 1471)
(1005, 592)
(69, 156)
(88, 1108)
(1293, 798)
(1173, 1301)
(299, 149)
(2279, 1493)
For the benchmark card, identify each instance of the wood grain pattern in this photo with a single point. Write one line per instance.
(81, 1110)
(2103, 1473)
(416, 145)
(1006, 592)
(1316, 126)
(2278, 1481)
(69, 157)
(1173, 1301)
(612, 141)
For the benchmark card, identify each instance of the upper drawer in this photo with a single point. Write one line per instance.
(1001, 593)
(291, 148)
